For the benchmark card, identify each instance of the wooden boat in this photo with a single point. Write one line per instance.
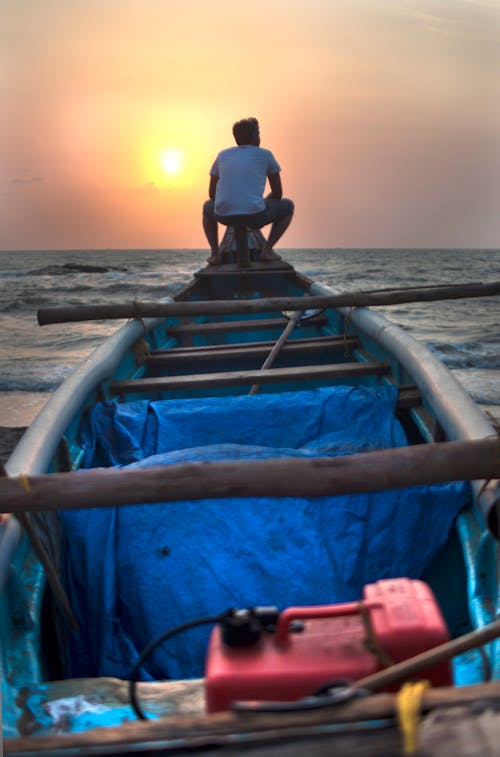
(300, 394)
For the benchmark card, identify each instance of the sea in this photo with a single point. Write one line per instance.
(35, 359)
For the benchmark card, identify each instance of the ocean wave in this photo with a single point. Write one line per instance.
(23, 303)
(32, 302)
(482, 385)
(84, 293)
(483, 355)
(38, 379)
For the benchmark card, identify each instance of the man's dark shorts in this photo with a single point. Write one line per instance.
(275, 210)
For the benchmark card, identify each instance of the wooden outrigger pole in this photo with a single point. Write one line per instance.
(374, 298)
(399, 467)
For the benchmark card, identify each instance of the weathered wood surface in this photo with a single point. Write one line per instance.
(462, 731)
(301, 344)
(380, 739)
(256, 268)
(236, 351)
(409, 396)
(138, 309)
(230, 327)
(338, 371)
(283, 477)
(239, 731)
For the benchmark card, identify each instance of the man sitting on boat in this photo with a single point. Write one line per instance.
(237, 182)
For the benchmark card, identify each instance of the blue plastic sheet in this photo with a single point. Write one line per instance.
(134, 572)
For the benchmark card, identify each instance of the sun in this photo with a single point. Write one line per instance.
(172, 160)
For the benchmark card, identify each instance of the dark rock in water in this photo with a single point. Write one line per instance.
(9, 437)
(62, 270)
(82, 268)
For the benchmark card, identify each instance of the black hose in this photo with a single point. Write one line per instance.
(156, 643)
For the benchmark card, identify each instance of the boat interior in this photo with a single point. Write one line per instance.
(207, 387)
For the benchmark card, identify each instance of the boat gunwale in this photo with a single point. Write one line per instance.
(454, 408)
(37, 446)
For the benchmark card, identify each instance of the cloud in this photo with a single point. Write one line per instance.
(463, 19)
(27, 178)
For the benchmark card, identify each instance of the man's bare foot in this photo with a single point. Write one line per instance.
(271, 255)
(214, 260)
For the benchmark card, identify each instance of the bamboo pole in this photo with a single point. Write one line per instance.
(268, 362)
(302, 477)
(370, 298)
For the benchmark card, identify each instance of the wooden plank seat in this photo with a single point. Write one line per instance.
(408, 396)
(337, 371)
(299, 347)
(254, 269)
(229, 327)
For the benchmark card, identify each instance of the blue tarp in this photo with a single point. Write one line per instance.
(134, 572)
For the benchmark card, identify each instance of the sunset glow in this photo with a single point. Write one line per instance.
(384, 116)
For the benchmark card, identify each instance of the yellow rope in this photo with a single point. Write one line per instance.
(141, 350)
(408, 701)
(24, 481)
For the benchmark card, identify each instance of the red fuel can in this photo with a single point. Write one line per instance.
(396, 619)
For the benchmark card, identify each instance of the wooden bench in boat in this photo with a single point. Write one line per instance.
(338, 371)
(228, 327)
(408, 397)
(299, 347)
(254, 269)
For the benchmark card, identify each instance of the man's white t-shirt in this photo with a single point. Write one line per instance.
(242, 173)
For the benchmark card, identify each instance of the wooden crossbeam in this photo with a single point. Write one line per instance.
(251, 349)
(230, 327)
(240, 378)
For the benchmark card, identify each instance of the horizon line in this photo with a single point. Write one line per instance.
(205, 250)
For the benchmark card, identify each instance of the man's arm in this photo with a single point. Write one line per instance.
(276, 192)
(212, 186)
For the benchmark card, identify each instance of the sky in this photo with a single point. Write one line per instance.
(384, 116)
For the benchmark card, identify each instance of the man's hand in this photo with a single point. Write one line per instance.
(276, 192)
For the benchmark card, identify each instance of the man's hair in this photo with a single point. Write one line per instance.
(245, 131)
